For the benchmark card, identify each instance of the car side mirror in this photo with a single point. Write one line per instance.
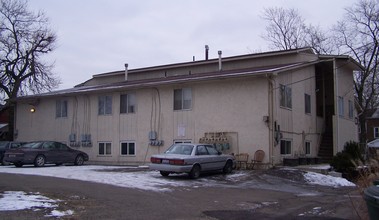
(219, 152)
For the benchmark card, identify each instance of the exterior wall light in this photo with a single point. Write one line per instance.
(32, 109)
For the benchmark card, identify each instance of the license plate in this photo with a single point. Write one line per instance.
(11, 155)
(166, 161)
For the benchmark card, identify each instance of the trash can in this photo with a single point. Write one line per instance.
(371, 196)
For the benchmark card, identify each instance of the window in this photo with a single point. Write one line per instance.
(201, 150)
(285, 96)
(128, 149)
(61, 109)
(376, 132)
(341, 110)
(182, 141)
(182, 99)
(307, 147)
(351, 109)
(285, 147)
(105, 105)
(128, 103)
(212, 150)
(307, 100)
(105, 148)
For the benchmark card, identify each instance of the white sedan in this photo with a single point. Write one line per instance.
(192, 159)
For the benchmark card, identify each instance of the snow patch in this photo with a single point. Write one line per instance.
(326, 180)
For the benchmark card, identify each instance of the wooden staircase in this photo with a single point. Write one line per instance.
(325, 151)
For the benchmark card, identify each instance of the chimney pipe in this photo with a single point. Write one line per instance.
(206, 52)
(219, 60)
(126, 71)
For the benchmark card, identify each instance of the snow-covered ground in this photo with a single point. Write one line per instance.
(138, 179)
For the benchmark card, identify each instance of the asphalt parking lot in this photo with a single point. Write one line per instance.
(257, 194)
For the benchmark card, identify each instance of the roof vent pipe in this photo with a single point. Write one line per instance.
(219, 60)
(126, 71)
(206, 52)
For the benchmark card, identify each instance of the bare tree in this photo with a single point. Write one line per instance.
(286, 28)
(24, 38)
(357, 35)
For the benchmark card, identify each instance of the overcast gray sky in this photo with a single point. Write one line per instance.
(100, 36)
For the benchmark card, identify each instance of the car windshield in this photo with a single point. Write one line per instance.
(183, 149)
(34, 145)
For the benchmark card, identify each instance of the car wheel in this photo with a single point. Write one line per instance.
(164, 173)
(3, 162)
(228, 168)
(79, 160)
(18, 164)
(39, 161)
(195, 172)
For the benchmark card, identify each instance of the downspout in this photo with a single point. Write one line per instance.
(336, 107)
(271, 117)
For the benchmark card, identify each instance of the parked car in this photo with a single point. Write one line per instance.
(6, 145)
(44, 152)
(192, 159)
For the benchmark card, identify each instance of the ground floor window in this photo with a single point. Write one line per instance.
(182, 141)
(128, 149)
(285, 147)
(307, 147)
(105, 148)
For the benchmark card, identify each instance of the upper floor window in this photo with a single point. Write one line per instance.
(341, 110)
(182, 99)
(105, 105)
(307, 100)
(61, 109)
(128, 103)
(376, 132)
(351, 109)
(285, 96)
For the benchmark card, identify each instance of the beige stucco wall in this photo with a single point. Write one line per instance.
(235, 107)
(296, 125)
(344, 126)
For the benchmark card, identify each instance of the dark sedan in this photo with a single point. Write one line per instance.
(44, 152)
(6, 145)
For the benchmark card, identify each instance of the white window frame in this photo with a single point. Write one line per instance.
(351, 109)
(287, 141)
(182, 141)
(307, 147)
(61, 107)
(105, 105)
(285, 96)
(341, 109)
(128, 143)
(107, 149)
(182, 99)
(307, 103)
(127, 103)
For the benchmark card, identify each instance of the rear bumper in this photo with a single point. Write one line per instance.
(170, 168)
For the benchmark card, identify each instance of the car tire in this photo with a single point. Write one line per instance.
(228, 168)
(39, 161)
(164, 173)
(195, 172)
(79, 160)
(3, 162)
(18, 164)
